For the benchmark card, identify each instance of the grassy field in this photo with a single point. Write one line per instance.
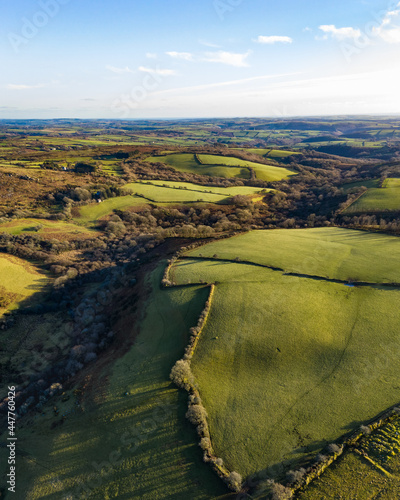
(222, 166)
(267, 173)
(183, 192)
(271, 153)
(131, 426)
(111, 168)
(290, 353)
(386, 198)
(371, 183)
(90, 214)
(327, 252)
(361, 479)
(19, 280)
(161, 192)
(188, 163)
(47, 229)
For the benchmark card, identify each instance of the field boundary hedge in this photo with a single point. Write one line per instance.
(181, 374)
(183, 377)
(305, 476)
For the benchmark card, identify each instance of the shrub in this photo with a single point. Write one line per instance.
(365, 429)
(196, 414)
(279, 492)
(205, 443)
(234, 481)
(181, 374)
(91, 356)
(293, 476)
(334, 448)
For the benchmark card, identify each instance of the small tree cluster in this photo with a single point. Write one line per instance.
(278, 491)
(181, 374)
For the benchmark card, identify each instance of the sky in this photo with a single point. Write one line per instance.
(135, 59)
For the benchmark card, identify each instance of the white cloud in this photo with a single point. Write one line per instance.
(331, 94)
(209, 44)
(229, 58)
(14, 86)
(151, 55)
(388, 31)
(186, 56)
(340, 33)
(119, 71)
(157, 71)
(273, 39)
(208, 86)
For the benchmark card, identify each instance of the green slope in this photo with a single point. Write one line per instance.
(287, 364)
(132, 426)
(335, 253)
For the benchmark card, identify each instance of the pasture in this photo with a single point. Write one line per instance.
(188, 163)
(90, 214)
(293, 352)
(271, 153)
(269, 173)
(47, 229)
(19, 280)
(359, 477)
(186, 192)
(377, 200)
(127, 437)
(222, 166)
(332, 253)
(161, 192)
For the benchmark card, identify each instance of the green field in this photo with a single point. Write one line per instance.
(19, 280)
(282, 352)
(370, 183)
(188, 163)
(161, 192)
(263, 172)
(327, 252)
(384, 199)
(90, 214)
(111, 167)
(46, 229)
(272, 153)
(360, 478)
(222, 166)
(131, 424)
(185, 192)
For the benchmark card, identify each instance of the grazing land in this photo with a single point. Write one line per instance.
(272, 153)
(180, 192)
(295, 223)
(376, 473)
(290, 352)
(330, 253)
(162, 192)
(223, 166)
(188, 163)
(90, 214)
(19, 280)
(47, 229)
(383, 199)
(127, 436)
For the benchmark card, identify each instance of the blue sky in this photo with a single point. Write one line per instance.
(198, 58)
